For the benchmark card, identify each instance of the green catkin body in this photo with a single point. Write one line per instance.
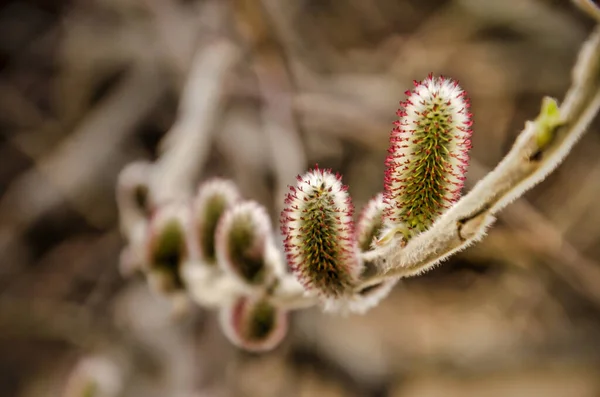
(322, 251)
(428, 155)
(319, 234)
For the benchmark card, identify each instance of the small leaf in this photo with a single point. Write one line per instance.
(547, 121)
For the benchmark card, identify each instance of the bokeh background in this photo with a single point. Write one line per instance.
(87, 86)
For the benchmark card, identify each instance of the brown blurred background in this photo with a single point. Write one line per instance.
(87, 86)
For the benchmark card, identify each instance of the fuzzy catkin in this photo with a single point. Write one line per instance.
(428, 153)
(319, 234)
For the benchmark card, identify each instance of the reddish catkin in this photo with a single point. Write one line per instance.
(428, 154)
(319, 234)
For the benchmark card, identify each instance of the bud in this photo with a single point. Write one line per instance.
(368, 228)
(254, 325)
(243, 240)
(319, 234)
(214, 197)
(370, 223)
(167, 246)
(428, 154)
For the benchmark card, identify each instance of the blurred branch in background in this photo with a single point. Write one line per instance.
(90, 86)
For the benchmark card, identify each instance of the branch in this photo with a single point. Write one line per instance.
(220, 250)
(540, 236)
(539, 149)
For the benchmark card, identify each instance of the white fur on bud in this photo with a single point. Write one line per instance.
(254, 325)
(214, 197)
(363, 301)
(244, 243)
(319, 234)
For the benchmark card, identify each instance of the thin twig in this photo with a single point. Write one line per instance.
(542, 237)
(539, 149)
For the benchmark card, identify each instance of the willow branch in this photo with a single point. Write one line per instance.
(539, 149)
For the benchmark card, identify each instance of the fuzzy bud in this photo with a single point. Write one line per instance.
(168, 246)
(254, 325)
(214, 197)
(369, 226)
(243, 241)
(319, 234)
(370, 223)
(428, 154)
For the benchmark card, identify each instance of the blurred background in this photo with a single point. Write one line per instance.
(87, 86)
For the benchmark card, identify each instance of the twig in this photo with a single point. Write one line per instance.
(542, 237)
(540, 148)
